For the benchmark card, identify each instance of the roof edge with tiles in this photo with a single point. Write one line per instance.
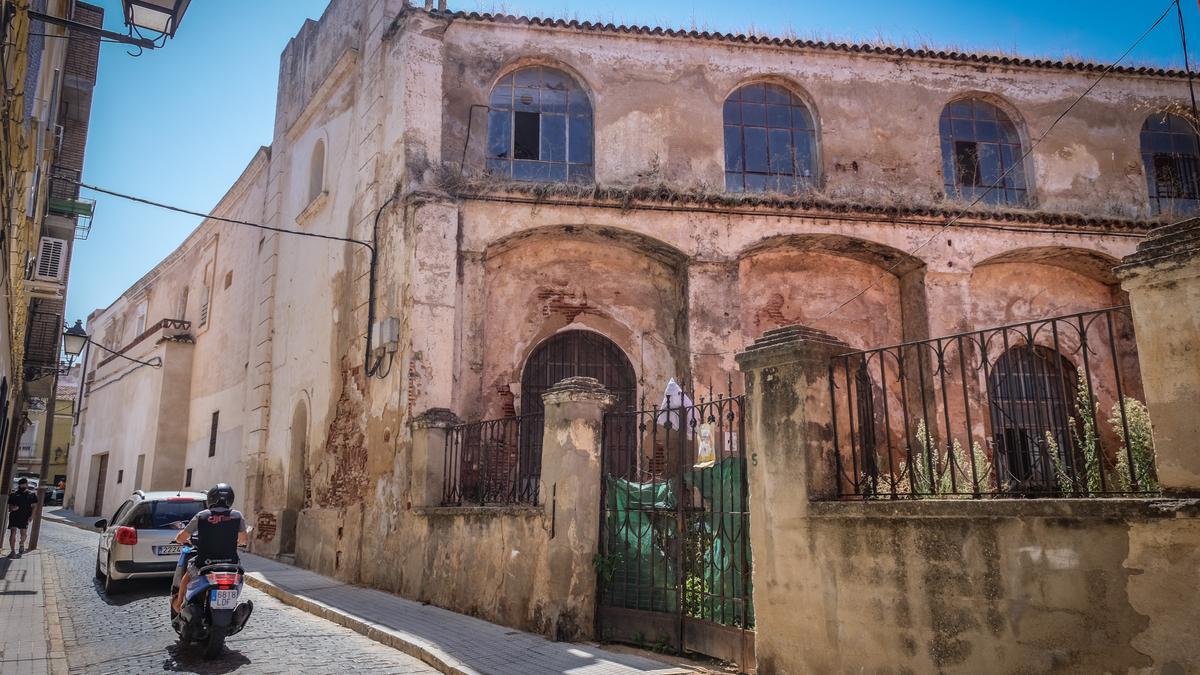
(820, 45)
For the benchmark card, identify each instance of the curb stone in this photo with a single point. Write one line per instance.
(57, 652)
(404, 642)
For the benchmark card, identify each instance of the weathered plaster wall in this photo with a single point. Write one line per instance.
(658, 110)
(962, 587)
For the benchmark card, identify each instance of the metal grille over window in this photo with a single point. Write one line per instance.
(770, 141)
(980, 144)
(1172, 161)
(540, 128)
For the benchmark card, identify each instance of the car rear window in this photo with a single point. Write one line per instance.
(165, 514)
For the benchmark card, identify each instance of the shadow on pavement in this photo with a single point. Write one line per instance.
(133, 590)
(191, 660)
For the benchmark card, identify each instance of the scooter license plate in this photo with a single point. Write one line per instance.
(223, 599)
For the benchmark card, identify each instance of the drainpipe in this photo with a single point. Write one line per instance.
(47, 435)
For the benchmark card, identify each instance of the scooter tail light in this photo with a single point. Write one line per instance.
(223, 579)
(126, 535)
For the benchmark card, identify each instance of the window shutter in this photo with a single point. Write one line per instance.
(51, 257)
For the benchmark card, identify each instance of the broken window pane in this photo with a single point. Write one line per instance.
(528, 123)
(770, 140)
(526, 130)
(980, 150)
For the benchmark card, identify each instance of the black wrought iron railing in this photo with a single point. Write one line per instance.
(493, 462)
(1052, 407)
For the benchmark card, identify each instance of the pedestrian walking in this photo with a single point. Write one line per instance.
(20, 510)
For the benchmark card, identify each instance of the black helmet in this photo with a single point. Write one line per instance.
(220, 495)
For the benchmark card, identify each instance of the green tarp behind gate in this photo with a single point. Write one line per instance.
(640, 526)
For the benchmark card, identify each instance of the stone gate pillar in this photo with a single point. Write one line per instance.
(429, 455)
(789, 441)
(1163, 281)
(564, 606)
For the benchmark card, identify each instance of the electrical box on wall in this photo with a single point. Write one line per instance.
(385, 334)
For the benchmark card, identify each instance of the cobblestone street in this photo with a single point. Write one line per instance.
(129, 633)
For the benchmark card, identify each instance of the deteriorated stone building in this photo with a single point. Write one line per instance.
(546, 198)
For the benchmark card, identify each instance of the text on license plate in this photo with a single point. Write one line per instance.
(169, 549)
(223, 599)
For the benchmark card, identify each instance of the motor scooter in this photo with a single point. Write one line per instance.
(211, 609)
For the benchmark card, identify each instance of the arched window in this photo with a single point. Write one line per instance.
(572, 353)
(540, 127)
(1031, 396)
(770, 140)
(1172, 161)
(316, 171)
(980, 144)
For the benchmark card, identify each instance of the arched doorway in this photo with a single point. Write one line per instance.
(573, 353)
(296, 480)
(1031, 396)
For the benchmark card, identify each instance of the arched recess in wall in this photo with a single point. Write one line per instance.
(771, 138)
(801, 278)
(612, 281)
(316, 170)
(297, 479)
(540, 126)
(983, 144)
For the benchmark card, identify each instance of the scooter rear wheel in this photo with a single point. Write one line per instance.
(216, 642)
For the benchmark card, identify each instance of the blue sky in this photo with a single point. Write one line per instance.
(179, 124)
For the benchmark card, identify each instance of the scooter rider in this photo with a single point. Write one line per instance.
(220, 530)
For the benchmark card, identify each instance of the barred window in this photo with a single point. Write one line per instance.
(1172, 162)
(981, 148)
(770, 141)
(540, 128)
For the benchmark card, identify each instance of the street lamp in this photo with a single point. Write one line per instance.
(160, 16)
(74, 340)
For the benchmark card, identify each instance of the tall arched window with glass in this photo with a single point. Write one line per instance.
(982, 156)
(1172, 162)
(770, 141)
(540, 128)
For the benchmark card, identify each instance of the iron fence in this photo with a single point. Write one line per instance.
(1051, 407)
(675, 520)
(493, 461)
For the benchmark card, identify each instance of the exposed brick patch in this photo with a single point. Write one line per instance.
(346, 447)
(265, 526)
(565, 302)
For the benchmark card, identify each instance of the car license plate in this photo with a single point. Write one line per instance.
(223, 599)
(169, 549)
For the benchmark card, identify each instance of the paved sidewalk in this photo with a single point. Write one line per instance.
(24, 647)
(451, 642)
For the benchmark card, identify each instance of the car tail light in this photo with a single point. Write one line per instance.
(126, 535)
(223, 579)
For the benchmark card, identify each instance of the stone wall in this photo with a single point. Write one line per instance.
(1038, 586)
(952, 585)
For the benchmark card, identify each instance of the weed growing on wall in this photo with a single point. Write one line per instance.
(1141, 446)
(1083, 429)
(951, 472)
(1085, 478)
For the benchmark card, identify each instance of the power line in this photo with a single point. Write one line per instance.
(370, 247)
(1000, 180)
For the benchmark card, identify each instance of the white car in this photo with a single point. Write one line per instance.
(139, 540)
